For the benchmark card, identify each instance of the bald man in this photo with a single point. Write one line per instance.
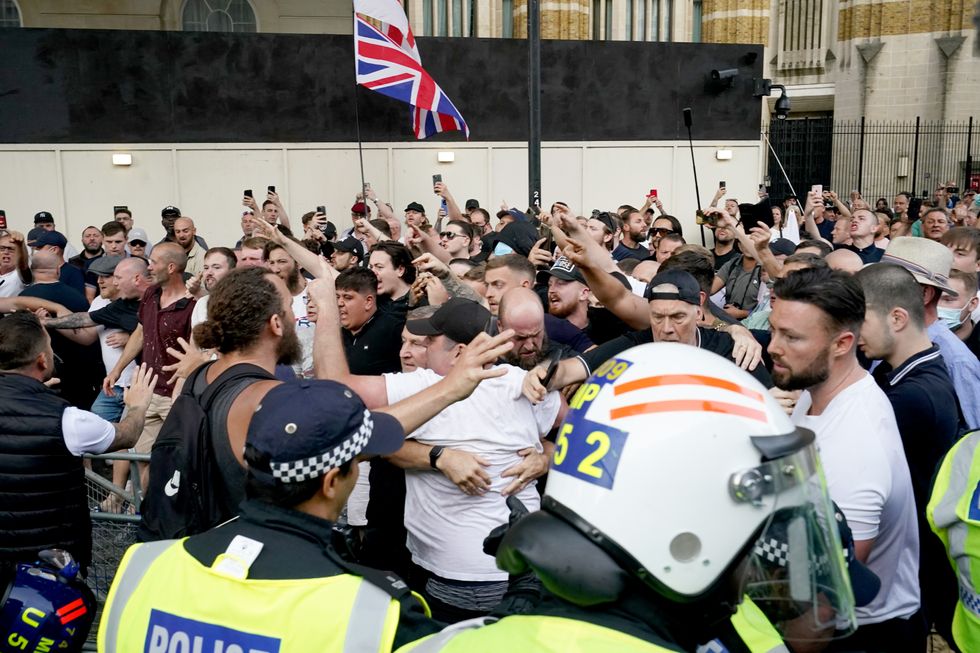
(844, 260)
(185, 235)
(521, 310)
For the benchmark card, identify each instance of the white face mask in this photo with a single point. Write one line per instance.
(952, 317)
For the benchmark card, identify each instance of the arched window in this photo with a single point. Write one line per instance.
(9, 14)
(218, 16)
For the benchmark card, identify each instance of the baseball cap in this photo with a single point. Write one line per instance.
(105, 265)
(687, 286)
(415, 206)
(43, 217)
(471, 204)
(564, 269)
(604, 218)
(459, 319)
(32, 236)
(782, 247)
(138, 234)
(170, 210)
(53, 238)
(351, 245)
(928, 261)
(359, 208)
(518, 236)
(303, 429)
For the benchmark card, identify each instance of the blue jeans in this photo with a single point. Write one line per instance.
(109, 408)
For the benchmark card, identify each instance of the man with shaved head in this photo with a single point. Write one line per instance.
(844, 260)
(164, 316)
(521, 310)
(185, 235)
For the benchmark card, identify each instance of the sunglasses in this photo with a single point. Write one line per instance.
(448, 235)
(661, 231)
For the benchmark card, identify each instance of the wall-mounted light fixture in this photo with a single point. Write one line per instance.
(446, 157)
(122, 159)
(724, 155)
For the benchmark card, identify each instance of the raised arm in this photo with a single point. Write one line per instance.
(384, 211)
(452, 208)
(137, 399)
(454, 286)
(283, 217)
(304, 257)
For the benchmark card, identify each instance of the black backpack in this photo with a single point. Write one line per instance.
(184, 495)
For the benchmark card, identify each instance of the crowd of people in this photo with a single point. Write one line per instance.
(393, 392)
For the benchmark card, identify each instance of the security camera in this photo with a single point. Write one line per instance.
(782, 106)
(728, 73)
(764, 87)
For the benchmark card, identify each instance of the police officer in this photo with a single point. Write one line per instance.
(274, 578)
(678, 487)
(954, 515)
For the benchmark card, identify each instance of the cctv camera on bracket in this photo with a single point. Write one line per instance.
(723, 79)
(764, 88)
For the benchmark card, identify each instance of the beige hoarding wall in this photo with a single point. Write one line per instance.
(79, 183)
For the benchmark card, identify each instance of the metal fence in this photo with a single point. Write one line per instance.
(115, 519)
(879, 159)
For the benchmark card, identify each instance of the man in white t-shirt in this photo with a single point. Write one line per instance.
(447, 520)
(41, 441)
(816, 323)
(280, 261)
(218, 262)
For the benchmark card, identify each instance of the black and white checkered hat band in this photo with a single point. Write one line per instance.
(773, 551)
(303, 470)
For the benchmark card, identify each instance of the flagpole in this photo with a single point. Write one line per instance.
(357, 117)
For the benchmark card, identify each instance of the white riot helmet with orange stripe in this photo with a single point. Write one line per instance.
(688, 475)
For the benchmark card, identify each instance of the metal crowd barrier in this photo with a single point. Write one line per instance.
(115, 519)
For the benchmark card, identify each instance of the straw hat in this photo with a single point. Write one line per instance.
(928, 261)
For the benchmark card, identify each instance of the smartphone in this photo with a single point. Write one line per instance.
(721, 184)
(953, 190)
(248, 192)
(710, 220)
(272, 189)
(544, 231)
(3, 219)
(653, 193)
(321, 209)
(436, 179)
(817, 189)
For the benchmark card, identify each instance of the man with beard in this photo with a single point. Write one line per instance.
(168, 220)
(284, 266)
(250, 324)
(91, 248)
(816, 323)
(634, 230)
(164, 317)
(725, 248)
(218, 261)
(184, 233)
(568, 295)
(521, 312)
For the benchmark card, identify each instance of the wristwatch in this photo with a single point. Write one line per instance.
(434, 454)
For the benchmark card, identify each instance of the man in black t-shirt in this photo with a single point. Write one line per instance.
(675, 303)
(372, 338)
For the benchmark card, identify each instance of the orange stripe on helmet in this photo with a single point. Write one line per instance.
(691, 405)
(685, 379)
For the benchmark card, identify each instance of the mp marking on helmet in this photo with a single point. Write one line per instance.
(606, 373)
(589, 451)
(168, 633)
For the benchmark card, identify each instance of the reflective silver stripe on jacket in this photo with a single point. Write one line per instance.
(944, 515)
(439, 641)
(141, 560)
(367, 619)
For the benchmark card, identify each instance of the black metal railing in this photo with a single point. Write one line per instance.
(879, 159)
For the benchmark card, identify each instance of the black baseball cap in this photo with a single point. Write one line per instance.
(782, 247)
(604, 218)
(415, 206)
(350, 245)
(43, 217)
(33, 235)
(459, 319)
(303, 429)
(687, 286)
(519, 236)
(53, 238)
(472, 204)
(170, 210)
(564, 269)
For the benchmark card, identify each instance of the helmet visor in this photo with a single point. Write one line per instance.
(796, 573)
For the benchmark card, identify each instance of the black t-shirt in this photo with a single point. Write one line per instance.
(973, 341)
(715, 341)
(71, 298)
(870, 254)
(721, 259)
(623, 252)
(120, 314)
(375, 349)
(396, 307)
(73, 277)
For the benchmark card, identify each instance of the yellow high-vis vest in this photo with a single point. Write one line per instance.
(163, 599)
(954, 515)
(755, 630)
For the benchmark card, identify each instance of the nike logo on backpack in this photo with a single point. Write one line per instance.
(173, 485)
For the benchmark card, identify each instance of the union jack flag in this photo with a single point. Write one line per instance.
(388, 62)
